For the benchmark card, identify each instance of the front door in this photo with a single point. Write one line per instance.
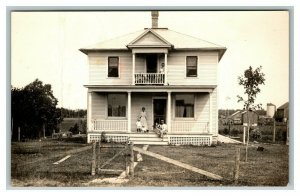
(151, 63)
(159, 110)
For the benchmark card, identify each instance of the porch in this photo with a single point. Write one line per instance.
(188, 115)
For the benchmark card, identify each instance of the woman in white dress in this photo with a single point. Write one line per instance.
(143, 116)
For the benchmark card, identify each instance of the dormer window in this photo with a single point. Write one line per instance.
(113, 66)
(191, 66)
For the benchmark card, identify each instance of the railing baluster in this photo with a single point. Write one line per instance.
(149, 78)
(180, 126)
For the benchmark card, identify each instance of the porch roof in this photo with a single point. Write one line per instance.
(137, 88)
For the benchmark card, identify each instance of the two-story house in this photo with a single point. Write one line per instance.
(170, 74)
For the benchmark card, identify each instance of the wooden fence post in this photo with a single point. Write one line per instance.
(244, 134)
(44, 131)
(93, 172)
(126, 159)
(98, 155)
(237, 165)
(287, 133)
(131, 170)
(19, 134)
(274, 130)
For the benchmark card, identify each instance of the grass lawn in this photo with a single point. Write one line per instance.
(32, 165)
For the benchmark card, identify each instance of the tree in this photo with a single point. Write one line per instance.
(251, 81)
(33, 107)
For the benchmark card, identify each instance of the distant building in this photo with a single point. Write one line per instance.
(271, 109)
(240, 117)
(282, 113)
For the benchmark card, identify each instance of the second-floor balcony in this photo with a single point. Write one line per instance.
(149, 78)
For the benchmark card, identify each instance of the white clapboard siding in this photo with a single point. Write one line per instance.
(98, 68)
(215, 112)
(207, 68)
(98, 106)
(202, 107)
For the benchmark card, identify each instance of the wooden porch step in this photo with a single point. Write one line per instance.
(151, 142)
(148, 139)
(148, 135)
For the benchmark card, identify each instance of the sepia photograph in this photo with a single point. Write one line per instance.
(150, 98)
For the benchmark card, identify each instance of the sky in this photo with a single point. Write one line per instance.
(45, 45)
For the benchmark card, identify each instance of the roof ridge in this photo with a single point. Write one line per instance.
(195, 38)
(120, 36)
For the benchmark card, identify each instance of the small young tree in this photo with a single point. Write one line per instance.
(251, 81)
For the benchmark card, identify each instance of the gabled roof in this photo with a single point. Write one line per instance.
(284, 106)
(149, 38)
(241, 112)
(175, 39)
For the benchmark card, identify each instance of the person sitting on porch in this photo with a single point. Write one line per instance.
(138, 125)
(163, 129)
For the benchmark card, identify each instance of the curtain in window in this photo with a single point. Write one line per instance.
(184, 107)
(116, 105)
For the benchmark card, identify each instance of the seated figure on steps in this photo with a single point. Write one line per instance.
(163, 129)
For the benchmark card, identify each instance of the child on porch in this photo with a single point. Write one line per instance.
(144, 130)
(138, 125)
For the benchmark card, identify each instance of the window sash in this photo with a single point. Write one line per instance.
(113, 66)
(116, 105)
(184, 108)
(191, 66)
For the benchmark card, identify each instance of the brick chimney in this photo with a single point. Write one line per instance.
(154, 15)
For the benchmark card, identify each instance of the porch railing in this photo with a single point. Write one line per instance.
(109, 125)
(188, 127)
(149, 78)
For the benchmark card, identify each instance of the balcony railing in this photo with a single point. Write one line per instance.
(149, 78)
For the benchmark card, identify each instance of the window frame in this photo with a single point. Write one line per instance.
(108, 65)
(186, 67)
(194, 108)
(116, 117)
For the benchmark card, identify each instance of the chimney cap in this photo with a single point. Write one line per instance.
(154, 15)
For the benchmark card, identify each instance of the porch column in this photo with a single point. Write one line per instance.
(133, 68)
(166, 68)
(89, 111)
(129, 111)
(169, 112)
(210, 112)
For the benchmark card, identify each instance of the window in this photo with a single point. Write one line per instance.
(116, 105)
(184, 106)
(191, 66)
(113, 66)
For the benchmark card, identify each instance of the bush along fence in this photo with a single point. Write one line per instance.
(262, 133)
